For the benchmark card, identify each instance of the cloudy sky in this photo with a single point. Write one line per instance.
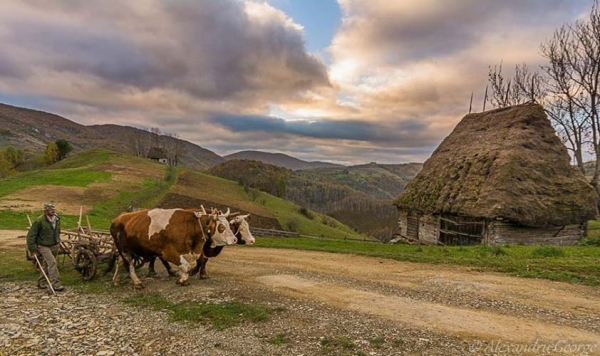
(346, 81)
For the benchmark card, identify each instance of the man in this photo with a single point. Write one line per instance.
(43, 239)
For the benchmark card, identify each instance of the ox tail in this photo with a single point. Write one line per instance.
(119, 245)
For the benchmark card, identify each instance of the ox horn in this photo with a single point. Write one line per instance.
(226, 213)
(203, 210)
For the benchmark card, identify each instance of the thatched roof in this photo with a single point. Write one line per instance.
(506, 163)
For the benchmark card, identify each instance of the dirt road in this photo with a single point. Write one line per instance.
(448, 299)
(476, 312)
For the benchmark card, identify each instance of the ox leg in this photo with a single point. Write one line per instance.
(116, 277)
(168, 268)
(184, 268)
(137, 284)
(196, 268)
(202, 261)
(151, 270)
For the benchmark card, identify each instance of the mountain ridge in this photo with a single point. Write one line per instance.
(280, 160)
(33, 129)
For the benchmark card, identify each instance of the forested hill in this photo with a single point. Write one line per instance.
(279, 159)
(32, 130)
(359, 196)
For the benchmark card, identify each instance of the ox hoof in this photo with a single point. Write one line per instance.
(203, 276)
(184, 283)
(138, 286)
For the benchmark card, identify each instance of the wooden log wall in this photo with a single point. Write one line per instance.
(502, 233)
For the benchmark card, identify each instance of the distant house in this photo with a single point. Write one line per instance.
(158, 154)
(501, 177)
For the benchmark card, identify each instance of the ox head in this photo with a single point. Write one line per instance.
(241, 227)
(218, 228)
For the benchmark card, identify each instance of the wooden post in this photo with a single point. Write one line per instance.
(29, 219)
(79, 221)
(485, 97)
(471, 103)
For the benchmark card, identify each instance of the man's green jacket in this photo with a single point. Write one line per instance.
(41, 233)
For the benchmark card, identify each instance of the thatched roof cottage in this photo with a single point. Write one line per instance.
(501, 177)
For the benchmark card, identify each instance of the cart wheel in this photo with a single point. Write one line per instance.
(85, 263)
(138, 262)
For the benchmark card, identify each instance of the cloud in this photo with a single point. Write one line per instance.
(232, 74)
(211, 50)
(422, 59)
(323, 128)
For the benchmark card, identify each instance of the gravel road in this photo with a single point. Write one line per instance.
(328, 304)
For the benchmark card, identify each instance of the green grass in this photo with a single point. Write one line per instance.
(279, 339)
(73, 177)
(17, 220)
(221, 315)
(377, 342)
(80, 171)
(148, 195)
(89, 158)
(573, 264)
(329, 344)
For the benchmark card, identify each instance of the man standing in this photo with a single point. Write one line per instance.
(43, 238)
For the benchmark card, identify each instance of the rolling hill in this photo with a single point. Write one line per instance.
(105, 183)
(31, 130)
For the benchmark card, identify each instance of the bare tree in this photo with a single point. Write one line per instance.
(174, 148)
(563, 103)
(525, 86)
(139, 142)
(155, 138)
(586, 69)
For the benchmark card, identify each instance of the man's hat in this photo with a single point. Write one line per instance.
(49, 206)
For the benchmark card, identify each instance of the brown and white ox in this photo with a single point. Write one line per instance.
(241, 229)
(175, 235)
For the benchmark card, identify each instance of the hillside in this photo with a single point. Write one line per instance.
(105, 183)
(350, 194)
(32, 130)
(359, 196)
(278, 159)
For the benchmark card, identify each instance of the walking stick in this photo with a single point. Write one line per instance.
(44, 273)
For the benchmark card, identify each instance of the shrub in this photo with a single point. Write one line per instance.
(590, 241)
(304, 211)
(292, 225)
